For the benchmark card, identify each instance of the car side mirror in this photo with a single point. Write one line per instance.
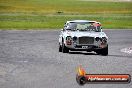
(64, 25)
(62, 29)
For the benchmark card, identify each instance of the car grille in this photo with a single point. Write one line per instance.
(86, 40)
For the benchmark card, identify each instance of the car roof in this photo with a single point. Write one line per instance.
(82, 21)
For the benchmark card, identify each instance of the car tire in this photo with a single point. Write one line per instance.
(64, 48)
(60, 48)
(103, 51)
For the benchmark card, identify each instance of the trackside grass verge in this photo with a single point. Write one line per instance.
(55, 22)
(51, 14)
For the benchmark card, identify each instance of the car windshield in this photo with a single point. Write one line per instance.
(84, 26)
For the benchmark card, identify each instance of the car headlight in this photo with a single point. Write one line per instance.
(97, 38)
(68, 38)
(104, 39)
(74, 38)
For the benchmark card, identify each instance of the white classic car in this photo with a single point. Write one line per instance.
(83, 35)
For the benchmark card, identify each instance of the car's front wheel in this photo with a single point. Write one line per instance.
(60, 48)
(64, 49)
(103, 51)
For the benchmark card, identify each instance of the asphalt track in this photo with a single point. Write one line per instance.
(30, 59)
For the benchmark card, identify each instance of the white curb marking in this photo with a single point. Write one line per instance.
(127, 50)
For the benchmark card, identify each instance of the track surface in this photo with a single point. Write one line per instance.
(30, 59)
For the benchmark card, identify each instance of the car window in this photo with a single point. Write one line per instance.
(71, 26)
(84, 26)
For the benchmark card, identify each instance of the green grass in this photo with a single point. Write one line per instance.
(52, 14)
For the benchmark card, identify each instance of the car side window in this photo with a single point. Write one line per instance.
(65, 25)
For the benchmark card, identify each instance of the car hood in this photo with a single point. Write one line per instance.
(90, 34)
